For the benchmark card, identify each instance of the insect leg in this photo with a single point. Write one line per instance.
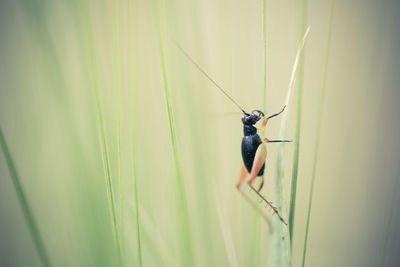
(262, 183)
(276, 141)
(255, 206)
(283, 109)
(269, 204)
(243, 174)
(261, 129)
(258, 162)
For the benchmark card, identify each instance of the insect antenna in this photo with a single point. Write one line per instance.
(208, 76)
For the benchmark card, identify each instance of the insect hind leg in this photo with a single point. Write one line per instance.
(243, 174)
(261, 184)
(275, 210)
(258, 162)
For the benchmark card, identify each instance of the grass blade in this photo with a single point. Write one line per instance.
(101, 128)
(391, 209)
(295, 168)
(136, 203)
(264, 30)
(155, 240)
(318, 130)
(294, 72)
(26, 210)
(255, 257)
(280, 248)
(181, 196)
(227, 235)
(118, 102)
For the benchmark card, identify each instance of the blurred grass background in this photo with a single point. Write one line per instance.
(56, 54)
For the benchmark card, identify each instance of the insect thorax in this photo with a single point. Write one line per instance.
(249, 130)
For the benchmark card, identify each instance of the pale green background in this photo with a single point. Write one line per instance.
(47, 113)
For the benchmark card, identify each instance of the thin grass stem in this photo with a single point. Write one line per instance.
(137, 211)
(118, 102)
(280, 239)
(184, 227)
(264, 30)
(101, 128)
(135, 187)
(155, 240)
(26, 209)
(227, 234)
(257, 226)
(318, 132)
(391, 210)
(295, 168)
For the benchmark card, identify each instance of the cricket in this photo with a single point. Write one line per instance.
(254, 149)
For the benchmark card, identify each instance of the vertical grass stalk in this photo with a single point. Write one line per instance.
(26, 210)
(227, 234)
(101, 129)
(280, 255)
(156, 243)
(135, 184)
(118, 100)
(136, 198)
(318, 132)
(256, 259)
(264, 30)
(181, 196)
(295, 168)
(391, 209)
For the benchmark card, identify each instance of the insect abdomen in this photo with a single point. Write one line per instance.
(250, 144)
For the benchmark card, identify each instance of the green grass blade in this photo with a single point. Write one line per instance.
(255, 257)
(137, 212)
(181, 196)
(226, 233)
(391, 210)
(118, 100)
(280, 248)
(134, 176)
(293, 76)
(101, 128)
(295, 168)
(264, 30)
(26, 210)
(156, 242)
(318, 130)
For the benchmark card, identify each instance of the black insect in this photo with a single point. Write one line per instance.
(254, 150)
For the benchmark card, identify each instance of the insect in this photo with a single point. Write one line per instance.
(254, 150)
